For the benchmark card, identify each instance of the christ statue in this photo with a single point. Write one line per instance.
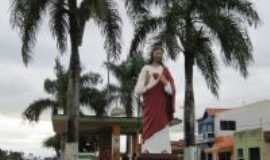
(156, 87)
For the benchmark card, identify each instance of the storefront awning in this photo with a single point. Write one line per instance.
(221, 143)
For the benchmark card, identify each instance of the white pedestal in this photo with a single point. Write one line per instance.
(191, 153)
(71, 151)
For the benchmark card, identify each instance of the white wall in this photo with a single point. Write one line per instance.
(250, 116)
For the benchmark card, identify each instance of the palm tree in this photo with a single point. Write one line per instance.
(3, 154)
(91, 97)
(55, 143)
(57, 88)
(67, 18)
(126, 74)
(193, 27)
(99, 99)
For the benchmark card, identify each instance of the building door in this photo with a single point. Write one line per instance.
(209, 156)
(224, 156)
(254, 153)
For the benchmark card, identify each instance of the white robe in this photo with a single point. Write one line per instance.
(160, 141)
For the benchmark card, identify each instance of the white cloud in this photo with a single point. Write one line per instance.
(21, 136)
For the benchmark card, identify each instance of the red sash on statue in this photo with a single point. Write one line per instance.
(158, 107)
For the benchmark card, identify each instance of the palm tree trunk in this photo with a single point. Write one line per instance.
(128, 147)
(58, 153)
(62, 145)
(72, 138)
(189, 110)
(129, 114)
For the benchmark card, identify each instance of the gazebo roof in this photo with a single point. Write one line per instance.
(93, 124)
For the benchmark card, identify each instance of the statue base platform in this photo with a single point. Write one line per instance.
(157, 156)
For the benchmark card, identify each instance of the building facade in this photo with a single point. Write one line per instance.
(254, 115)
(238, 122)
(206, 131)
(252, 144)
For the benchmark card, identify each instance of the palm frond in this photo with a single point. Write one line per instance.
(206, 61)
(53, 142)
(50, 86)
(86, 95)
(143, 28)
(58, 24)
(113, 93)
(168, 38)
(90, 79)
(111, 28)
(136, 9)
(35, 109)
(127, 103)
(170, 35)
(94, 99)
(86, 11)
(26, 16)
(113, 89)
(244, 9)
(58, 68)
(115, 69)
(235, 44)
(126, 73)
(106, 15)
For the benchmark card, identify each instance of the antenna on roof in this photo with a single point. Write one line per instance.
(243, 102)
(108, 73)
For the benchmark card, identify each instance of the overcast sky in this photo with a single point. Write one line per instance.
(19, 85)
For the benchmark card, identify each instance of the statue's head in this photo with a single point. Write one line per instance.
(156, 55)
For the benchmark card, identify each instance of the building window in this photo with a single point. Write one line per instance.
(254, 153)
(210, 131)
(228, 125)
(240, 154)
(200, 128)
(210, 128)
(204, 128)
(211, 135)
